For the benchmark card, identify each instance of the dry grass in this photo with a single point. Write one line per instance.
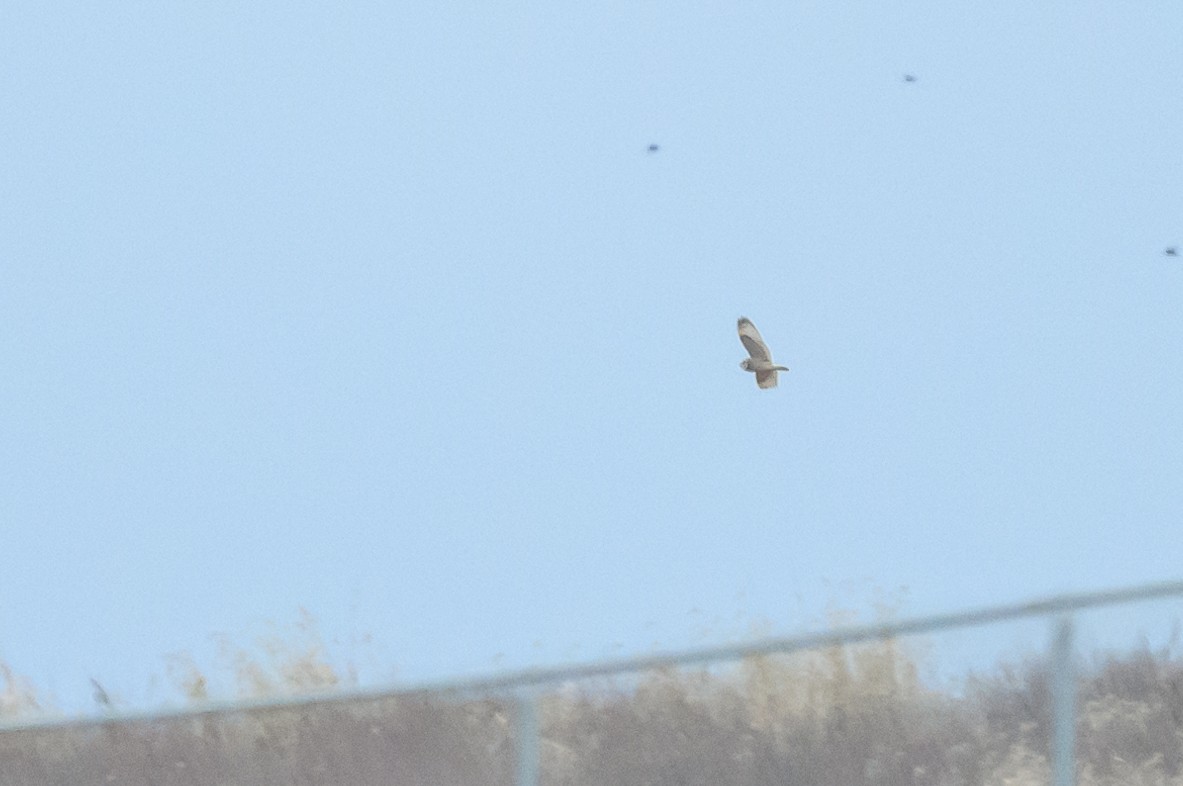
(16, 694)
(840, 717)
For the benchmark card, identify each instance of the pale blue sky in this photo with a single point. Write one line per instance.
(384, 311)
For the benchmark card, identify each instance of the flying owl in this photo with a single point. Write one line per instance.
(760, 362)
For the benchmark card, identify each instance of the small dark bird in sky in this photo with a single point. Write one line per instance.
(909, 77)
(1172, 251)
(654, 148)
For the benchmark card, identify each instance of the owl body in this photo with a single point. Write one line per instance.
(760, 363)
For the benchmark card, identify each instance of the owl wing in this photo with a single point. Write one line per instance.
(766, 379)
(753, 343)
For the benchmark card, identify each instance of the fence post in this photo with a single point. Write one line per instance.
(526, 739)
(1063, 704)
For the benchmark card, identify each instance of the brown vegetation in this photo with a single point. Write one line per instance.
(845, 717)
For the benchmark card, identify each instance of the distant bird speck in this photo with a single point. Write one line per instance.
(1172, 252)
(654, 148)
(909, 77)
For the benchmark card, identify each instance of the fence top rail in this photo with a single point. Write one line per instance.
(538, 678)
